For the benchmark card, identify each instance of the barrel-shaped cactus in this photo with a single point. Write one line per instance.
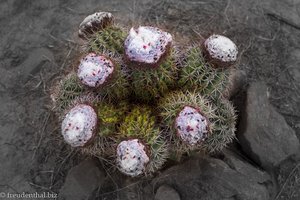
(109, 118)
(140, 124)
(149, 85)
(65, 91)
(137, 99)
(200, 76)
(109, 40)
(195, 123)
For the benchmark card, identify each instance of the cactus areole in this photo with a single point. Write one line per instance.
(132, 157)
(192, 127)
(94, 70)
(147, 45)
(220, 50)
(79, 125)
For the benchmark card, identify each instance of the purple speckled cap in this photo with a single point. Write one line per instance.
(132, 157)
(146, 44)
(94, 70)
(191, 125)
(79, 125)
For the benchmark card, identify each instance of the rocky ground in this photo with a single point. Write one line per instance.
(38, 41)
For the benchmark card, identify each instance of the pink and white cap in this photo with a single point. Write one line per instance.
(221, 48)
(132, 157)
(79, 125)
(94, 70)
(191, 125)
(146, 44)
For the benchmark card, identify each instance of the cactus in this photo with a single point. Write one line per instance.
(108, 41)
(109, 118)
(140, 124)
(148, 85)
(170, 108)
(104, 76)
(219, 117)
(198, 75)
(132, 104)
(65, 91)
(224, 127)
(118, 88)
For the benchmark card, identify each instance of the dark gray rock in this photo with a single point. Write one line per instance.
(214, 179)
(166, 192)
(263, 133)
(82, 180)
(235, 162)
(238, 80)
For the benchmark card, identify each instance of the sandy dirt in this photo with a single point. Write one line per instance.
(38, 40)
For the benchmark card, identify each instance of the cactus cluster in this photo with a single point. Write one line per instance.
(133, 104)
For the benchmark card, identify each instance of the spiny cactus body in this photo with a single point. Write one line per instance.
(109, 118)
(213, 130)
(224, 127)
(140, 124)
(198, 75)
(187, 118)
(134, 105)
(65, 91)
(148, 85)
(118, 88)
(109, 41)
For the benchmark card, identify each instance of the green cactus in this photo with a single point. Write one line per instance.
(140, 124)
(66, 91)
(197, 75)
(110, 116)
(159, 153)
(108, 40)
(118, 87)
(169, 108)
(147, 85)
(224, 129)
(221, 117)
(149, 113)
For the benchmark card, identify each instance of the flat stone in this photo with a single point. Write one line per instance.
(166, 192)
(82, 180)
(263, 133)
(214, 179)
